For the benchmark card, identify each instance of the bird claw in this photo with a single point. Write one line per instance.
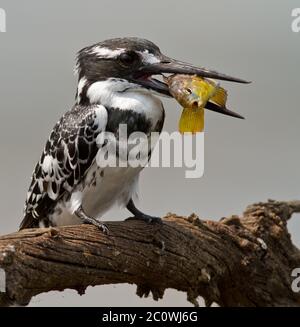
(155, 220)
(104, 229)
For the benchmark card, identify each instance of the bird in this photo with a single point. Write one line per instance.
(116, 85)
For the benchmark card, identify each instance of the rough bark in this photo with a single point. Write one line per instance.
(237, 261)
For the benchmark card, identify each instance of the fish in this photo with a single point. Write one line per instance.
(193, 93)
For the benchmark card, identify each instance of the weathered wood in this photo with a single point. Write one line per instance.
(238, 261)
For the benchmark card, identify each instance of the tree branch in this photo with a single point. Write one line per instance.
(238, 261)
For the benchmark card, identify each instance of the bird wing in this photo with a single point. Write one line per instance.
(67, 156)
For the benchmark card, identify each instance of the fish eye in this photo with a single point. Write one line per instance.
(128, 58)
(188, 91)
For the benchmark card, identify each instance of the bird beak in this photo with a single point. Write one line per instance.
(171, 66)
(213, 107)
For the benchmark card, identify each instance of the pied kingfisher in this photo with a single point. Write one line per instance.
(115, 86)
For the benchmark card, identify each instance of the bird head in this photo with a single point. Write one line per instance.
(132, 63)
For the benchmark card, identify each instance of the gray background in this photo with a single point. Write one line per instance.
(245, 161)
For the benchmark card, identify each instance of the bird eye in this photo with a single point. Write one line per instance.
(128, 58)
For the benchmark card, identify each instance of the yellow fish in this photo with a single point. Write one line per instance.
(193, 93)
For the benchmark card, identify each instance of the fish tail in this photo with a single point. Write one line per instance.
(220, 97)
(191, 120)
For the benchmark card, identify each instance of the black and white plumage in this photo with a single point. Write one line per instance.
(115, 86)
(67, 156)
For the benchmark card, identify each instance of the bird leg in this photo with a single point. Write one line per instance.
(138, 215)
(89, 220)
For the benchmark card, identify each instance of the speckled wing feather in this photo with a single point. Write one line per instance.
(69, 152)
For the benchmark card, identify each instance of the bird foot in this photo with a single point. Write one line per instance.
(98, 224)
(91, 221)
(146, 218)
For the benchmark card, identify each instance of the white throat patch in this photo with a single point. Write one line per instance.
(105, 92)
(121, 94)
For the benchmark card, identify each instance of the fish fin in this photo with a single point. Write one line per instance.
(191, 120)
(220, 97)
